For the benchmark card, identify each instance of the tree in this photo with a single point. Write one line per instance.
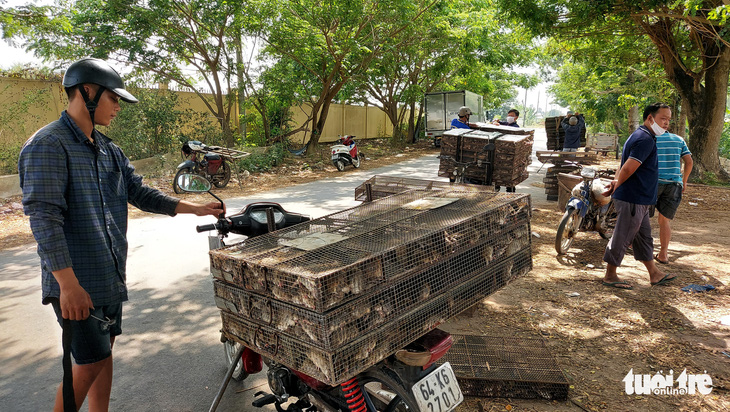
(607, 79)
(690, 41)
(336, 40)
(163, 40)
(463, 46)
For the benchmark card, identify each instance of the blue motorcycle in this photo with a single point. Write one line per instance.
(586, 211)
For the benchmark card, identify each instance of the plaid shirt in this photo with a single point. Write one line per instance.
(76, 193)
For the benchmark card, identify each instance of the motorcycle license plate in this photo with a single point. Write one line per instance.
(438, 391)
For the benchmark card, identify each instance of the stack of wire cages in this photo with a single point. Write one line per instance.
(381, 186)
(335, 295)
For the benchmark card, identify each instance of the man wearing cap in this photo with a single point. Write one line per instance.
(76, 186)
(462, 122)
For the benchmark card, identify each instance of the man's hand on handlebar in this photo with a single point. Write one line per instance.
(212, 208)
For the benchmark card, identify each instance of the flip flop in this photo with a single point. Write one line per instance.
(663, 262)
(663, 281)
(618, 285)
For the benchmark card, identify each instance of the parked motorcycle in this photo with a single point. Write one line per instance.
(587, 210)
(408, 380)
(197, 160)
(345, 153)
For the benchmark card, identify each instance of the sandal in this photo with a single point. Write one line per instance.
(663, 262)
(618, 285)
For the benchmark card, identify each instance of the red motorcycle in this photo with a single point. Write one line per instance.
(198, 160)
(408, 380)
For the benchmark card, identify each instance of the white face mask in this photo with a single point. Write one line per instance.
(657, 130)
(510, 119)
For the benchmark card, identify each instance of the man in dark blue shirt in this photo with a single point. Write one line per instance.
(76, 185)
(634, 192)
(511, 119)
(573, 126)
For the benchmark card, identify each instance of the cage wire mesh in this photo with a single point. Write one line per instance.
(383, 186)
(370, 345)
(328, 261)
(506, 367)
(335, 295)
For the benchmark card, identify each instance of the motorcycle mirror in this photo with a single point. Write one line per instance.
(193, 183)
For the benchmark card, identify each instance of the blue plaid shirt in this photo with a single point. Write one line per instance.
(76, 193)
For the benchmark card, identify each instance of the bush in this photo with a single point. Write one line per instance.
(150, 127)
(264, 161)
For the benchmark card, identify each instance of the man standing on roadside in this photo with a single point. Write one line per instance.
(76, 188)
(634, 192)
(671, 151)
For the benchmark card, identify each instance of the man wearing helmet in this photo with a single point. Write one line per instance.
(462, 122)
(76, 186)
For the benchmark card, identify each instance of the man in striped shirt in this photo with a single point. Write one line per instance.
(671, 152)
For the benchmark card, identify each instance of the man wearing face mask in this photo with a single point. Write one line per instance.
(511, 120)
(634, 192)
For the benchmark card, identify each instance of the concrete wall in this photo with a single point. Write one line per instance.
(365, 122)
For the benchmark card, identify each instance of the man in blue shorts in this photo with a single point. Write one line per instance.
(76, 186)
(671, 151)
(634, 192)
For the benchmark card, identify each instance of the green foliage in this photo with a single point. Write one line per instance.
(724, 147)
(263, 161)
(13, 126)
(150, 127)
(157, 39)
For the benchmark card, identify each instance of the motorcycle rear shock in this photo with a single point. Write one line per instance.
(354, 396)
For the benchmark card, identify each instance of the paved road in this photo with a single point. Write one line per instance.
(169, 357)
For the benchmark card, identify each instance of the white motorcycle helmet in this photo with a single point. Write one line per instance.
(464, 111)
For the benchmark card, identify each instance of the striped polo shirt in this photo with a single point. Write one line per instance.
(670, 149)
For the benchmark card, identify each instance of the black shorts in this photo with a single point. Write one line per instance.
(91, 338)
(669, 197)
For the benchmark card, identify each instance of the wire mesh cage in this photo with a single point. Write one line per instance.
(506, 367)
(326, 262)
(335, 295)
(382, 186)
(374, 343)
(336, 327)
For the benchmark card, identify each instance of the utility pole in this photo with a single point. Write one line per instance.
(524, 105)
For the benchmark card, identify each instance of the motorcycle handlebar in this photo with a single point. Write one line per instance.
(206, 228)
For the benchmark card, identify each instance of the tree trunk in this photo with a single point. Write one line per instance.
(705, 93)
(241, 87)
(617, 127)
(634, 118)
(706, 117)
(682, 126)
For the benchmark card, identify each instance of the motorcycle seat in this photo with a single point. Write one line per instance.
(212, 156)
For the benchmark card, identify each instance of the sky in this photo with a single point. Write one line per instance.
(13, 55)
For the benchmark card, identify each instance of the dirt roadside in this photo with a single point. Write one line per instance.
(596, 336)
